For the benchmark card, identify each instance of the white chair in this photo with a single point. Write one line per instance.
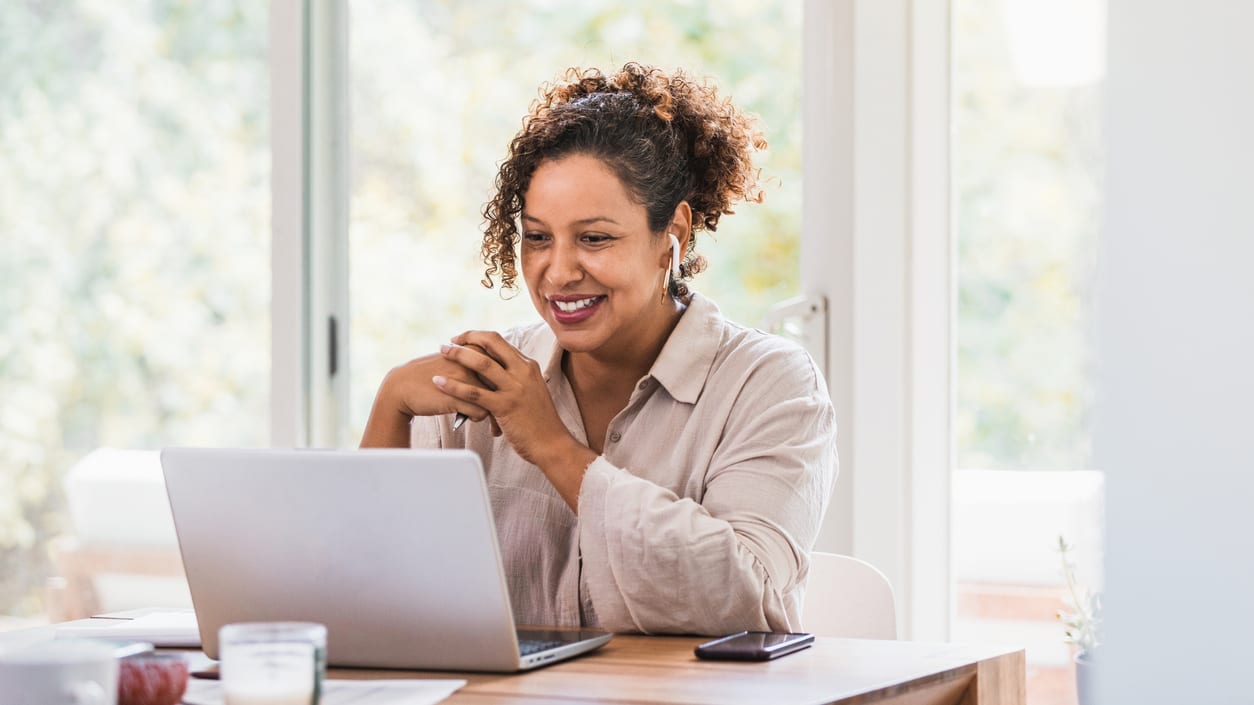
(123, 552)
(847, 597)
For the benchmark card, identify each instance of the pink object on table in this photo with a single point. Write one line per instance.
(153, 678)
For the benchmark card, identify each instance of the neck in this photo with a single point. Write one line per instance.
(621, 367)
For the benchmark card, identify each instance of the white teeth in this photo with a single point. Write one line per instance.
(572, 306)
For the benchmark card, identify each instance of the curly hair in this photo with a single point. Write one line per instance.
(668, 139)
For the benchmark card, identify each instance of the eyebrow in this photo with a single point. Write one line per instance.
(581, 221)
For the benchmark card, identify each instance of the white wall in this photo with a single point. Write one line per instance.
(1176, 349)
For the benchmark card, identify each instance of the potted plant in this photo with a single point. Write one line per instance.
(1081, 619)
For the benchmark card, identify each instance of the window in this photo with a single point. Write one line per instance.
(134, 268)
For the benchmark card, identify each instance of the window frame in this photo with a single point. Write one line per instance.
(877, 244)
(309, 188)
(289, 349)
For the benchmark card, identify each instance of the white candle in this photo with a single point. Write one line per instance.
(275, 663)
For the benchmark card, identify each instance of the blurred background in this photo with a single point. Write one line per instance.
(135, 257)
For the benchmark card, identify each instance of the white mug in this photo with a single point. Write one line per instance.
(59, 673)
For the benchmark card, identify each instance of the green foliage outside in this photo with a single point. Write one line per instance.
(134, 246)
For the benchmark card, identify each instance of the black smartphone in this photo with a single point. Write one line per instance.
(753, 646)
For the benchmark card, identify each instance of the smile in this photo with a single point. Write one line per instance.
(572, 306)
(570, 310)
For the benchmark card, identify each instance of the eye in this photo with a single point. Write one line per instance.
(535, 238)
(596, 238)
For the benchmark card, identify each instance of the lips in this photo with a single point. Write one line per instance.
(574, 309)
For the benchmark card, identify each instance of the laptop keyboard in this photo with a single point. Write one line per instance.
(526, 647)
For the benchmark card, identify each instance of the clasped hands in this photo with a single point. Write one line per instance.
(481, 375)
(499, 383)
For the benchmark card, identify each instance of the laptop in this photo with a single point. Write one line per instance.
(395, 551)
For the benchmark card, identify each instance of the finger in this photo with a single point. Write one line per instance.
(480, 350)
(469, 411)
(485, 367)
(494, 345)
(475, 396)
(468, 338)
(474, 412)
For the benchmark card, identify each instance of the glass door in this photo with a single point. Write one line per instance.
(1026, 166)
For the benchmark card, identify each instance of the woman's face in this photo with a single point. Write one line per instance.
(594, 270)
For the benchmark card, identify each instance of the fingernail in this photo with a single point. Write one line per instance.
(444, 348)
(438, 380)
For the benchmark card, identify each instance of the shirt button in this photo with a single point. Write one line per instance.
(642, 385)
(615, 436)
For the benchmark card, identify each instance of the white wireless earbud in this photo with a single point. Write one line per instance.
(674, 255)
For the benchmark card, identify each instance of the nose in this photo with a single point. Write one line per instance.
(564, 266)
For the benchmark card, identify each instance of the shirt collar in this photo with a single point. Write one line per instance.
(685, 361)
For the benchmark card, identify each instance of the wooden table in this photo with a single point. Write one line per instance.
(653, 669)
(640, 669)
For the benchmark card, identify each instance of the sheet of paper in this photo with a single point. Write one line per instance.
(345, 692)
(164, 628)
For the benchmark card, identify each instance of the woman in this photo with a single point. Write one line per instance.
(653, 467)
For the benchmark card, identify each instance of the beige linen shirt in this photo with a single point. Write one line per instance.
(699, 515)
